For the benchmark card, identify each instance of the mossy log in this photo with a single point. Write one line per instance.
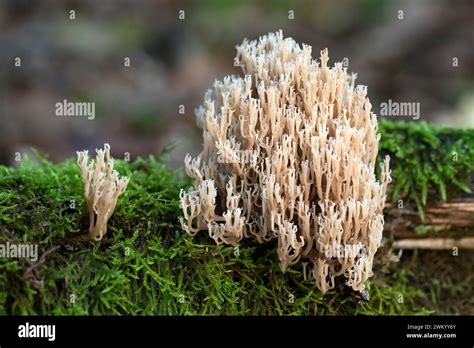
(431, 196)
(147, 265)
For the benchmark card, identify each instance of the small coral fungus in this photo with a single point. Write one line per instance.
(102, 187)
(289, 154)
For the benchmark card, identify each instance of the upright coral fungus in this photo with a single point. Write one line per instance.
(102, 187)
(289, 154)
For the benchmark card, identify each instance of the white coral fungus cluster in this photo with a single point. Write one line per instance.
(102, 187)
(289, 154)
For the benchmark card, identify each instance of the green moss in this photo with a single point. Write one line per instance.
(147, 265)
(428, 163)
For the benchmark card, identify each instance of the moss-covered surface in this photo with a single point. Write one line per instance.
(429, 163)
(147, 265)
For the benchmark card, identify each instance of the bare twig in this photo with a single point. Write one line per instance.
(435, 243)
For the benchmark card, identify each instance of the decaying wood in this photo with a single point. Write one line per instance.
(447, 225)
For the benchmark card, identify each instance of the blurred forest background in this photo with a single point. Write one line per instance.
(174, 61)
